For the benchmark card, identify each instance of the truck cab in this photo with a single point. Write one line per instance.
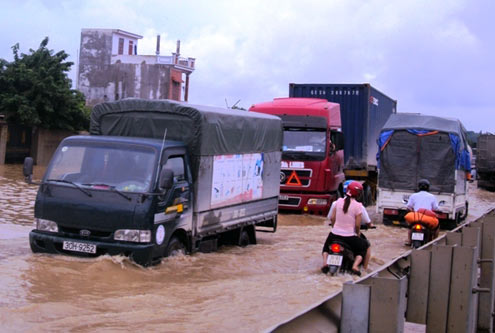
(113, 195)
(311, 172)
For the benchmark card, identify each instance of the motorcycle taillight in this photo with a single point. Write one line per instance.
(335, 248)
(418, 227)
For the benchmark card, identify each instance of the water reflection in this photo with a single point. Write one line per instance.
(17, 197)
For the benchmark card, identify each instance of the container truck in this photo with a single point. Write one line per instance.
(414, 147)
(364, 110)
(485, 161)
(159, 177)
(312, 159)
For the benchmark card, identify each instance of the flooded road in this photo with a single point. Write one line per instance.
(234, 289)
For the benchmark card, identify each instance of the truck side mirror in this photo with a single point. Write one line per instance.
(27, 170)
(166, 179)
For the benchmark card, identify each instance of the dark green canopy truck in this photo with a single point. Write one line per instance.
(156, 177)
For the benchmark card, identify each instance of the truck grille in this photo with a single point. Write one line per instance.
(291, 201)
(92, 233)
(303, 177)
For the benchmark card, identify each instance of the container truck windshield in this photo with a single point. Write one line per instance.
(304, 144)
(120, 167)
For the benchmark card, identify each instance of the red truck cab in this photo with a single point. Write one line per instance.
(311, 173)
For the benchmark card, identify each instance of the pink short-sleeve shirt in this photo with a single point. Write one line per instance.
(345, 223)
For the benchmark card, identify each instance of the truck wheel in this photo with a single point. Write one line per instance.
(458, 219)
(175, 247)
(452, 224)
(367, 196)
(244, 238)
(340, 192)
(463, 217)
(387, 220)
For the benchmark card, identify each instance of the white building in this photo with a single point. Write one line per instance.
(111, 69)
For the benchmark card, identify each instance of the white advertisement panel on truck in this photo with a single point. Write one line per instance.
(236, 178)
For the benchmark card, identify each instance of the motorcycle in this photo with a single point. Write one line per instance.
(420, 235)
(422, 224)
(340, 258)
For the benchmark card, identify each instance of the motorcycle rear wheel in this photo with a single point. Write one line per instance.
(416, 244)
(333, 270)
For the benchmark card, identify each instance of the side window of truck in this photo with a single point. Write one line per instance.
(337, 139)
(180, 192)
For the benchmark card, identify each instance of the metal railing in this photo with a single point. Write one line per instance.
(447, 285)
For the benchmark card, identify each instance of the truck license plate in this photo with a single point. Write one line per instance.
(283, 197)
(334, 260)
(79, 247)
(417, 236)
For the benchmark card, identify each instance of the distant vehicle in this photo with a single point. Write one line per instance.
(485, 161)
(159, 177)
(364, 110)
(311, 174)
(414, 147)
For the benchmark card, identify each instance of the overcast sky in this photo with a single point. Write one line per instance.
(436, 57)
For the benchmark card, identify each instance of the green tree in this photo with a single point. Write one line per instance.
(36, 91)
(472, 138)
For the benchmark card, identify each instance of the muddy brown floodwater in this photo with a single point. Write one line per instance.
(247, 289)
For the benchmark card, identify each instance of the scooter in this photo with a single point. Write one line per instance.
(420, 235)
(340, 258)
(422, 224)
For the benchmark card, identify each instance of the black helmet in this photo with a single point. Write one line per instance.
(424, 185)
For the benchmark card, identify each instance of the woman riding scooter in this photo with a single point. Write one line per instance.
(346, 223)
(365, 218)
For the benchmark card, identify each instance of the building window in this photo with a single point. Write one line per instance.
(121, 46)
(131, 43)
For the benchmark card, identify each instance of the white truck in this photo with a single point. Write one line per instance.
(413, 147)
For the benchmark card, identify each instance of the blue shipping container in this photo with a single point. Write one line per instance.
(363, 109)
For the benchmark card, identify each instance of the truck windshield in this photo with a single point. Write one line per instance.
(122, 168)
(304, 144)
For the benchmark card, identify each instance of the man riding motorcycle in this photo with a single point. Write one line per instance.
(346, 223)
(422, 200)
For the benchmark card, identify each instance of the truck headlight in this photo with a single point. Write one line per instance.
(46, 225)
(131, 235)
(315, 201)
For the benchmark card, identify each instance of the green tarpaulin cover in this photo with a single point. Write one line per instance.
(205, 130)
